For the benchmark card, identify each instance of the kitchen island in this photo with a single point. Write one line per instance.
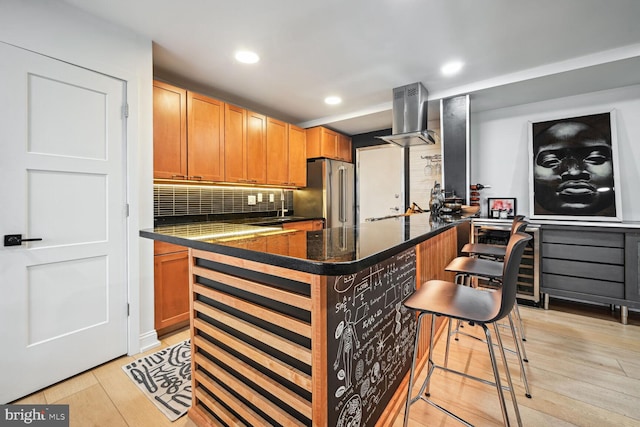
(302, 328)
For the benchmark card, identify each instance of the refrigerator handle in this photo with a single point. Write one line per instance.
(342, 194)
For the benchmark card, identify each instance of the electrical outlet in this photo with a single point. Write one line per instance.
(259, 197)
(272, 197)
(251, 200)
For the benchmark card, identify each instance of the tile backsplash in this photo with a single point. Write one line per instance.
(177, 200)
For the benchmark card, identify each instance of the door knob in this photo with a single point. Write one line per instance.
(16, 239)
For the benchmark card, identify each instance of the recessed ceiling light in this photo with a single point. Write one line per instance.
(451, 68)
(247, 57)
(332, 100)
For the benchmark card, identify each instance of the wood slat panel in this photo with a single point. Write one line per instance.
(294, 350)
(276, 389)
(299, 301)
(274, 365)
(319, 349)
(254, 266)
(221, 394)
(227, 417)
(286, 322)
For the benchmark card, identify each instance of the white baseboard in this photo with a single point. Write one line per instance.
(148, 341)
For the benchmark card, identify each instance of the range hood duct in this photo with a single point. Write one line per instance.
(410, 117)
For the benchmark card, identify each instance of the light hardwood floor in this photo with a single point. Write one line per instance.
(584, 370)
(106, 397)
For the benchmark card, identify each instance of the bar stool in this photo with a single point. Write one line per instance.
(469, 267)
(467, 304)
(495, 252)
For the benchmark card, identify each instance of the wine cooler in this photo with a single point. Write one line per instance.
(496, 232)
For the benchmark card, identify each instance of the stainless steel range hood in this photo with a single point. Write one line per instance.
(410, 117)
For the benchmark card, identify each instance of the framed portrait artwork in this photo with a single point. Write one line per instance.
(573, 168)
(501, 207)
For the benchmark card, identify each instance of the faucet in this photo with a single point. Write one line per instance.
(282, 208)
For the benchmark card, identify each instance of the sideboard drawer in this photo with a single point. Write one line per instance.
(585, 238)
(587, 270)
(584, 253)
(584, 286)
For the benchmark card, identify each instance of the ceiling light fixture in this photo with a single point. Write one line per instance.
(451, 68)
(247, 57)
(332, 100)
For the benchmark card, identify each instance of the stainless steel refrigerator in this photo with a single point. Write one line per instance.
(330, 193)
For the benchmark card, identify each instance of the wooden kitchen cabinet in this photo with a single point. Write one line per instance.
(286, 154)
(245, 146)
(171, 287)
(256, 144)
(188, 139)
(312, 225)
(205, 138)
(323, 142)
(201, 138)
(298, 244)
(169, 131)
(235, 126)
(297, 156)
(277, 152)
(343, 150)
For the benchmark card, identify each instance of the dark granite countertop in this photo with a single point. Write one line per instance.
(331, 252)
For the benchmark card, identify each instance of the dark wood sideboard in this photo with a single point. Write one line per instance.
(596, 264)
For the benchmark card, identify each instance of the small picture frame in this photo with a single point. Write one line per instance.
(501, 207)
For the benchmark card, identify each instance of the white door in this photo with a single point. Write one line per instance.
(63, 300)
(380, 178)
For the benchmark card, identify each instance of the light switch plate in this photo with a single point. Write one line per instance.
(259, 197)
(272, 197)
(251, 200)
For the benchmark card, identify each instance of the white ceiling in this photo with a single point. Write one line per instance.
(515, 51)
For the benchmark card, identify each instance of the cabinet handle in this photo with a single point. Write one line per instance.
(198, 177)
(179, 176)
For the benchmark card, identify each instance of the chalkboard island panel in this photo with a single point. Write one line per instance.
(371, 334)
(276, 345)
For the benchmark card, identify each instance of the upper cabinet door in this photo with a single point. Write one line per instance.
(205, 138)
(344, 148)
(297, 156)
(328, 143)
(169, 131)
(323, 142)
(256, 148)
(277, 152)
(235, 146)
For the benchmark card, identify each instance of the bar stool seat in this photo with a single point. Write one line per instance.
(458, 302)
(495, 252)
(480, 306)
(485, 250)
(476, 267)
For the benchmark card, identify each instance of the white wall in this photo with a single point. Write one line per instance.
(422, 178)
(499, 144)
(60, 31)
